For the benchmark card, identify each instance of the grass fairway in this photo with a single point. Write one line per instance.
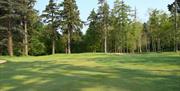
(92, 72)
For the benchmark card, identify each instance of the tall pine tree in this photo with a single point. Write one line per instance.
(93, 34)
(174, 8)
(51, 16)
(71, 20)
(26, 12)
(10, 16)
(120, 18)
(103, 15)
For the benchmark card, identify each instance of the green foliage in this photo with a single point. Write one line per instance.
(120, 25)
(37, 47)
(71, 19)
(160, 30)
(9, 9)
(37, 44)
(16, 14)
(117, 30)
(93, 34)
(134, 37)
(171, 7)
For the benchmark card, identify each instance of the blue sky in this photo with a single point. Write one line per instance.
(85, 7)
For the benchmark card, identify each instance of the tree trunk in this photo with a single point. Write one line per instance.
(66, 50)
(10, 43)
(105, 39)
(53, 41)
(53, 45)
(69, 42)
(140, 49)
(105, 43)
(25, 40)
(147, 44)
(140, 45)
(54, 35)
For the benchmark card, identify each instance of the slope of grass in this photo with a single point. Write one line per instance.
(92, 72)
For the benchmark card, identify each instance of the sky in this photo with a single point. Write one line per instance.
(86, 6)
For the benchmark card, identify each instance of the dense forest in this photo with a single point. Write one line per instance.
(59, 29)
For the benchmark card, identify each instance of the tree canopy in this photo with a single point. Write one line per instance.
(23, 31)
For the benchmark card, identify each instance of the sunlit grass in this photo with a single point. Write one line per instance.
(92, 72)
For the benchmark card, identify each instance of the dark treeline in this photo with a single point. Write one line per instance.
(58, 29)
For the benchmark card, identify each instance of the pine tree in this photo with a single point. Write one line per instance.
(174, 8)
(93, 34)
(51, 16)
(71, 20)
(121, 20)
(10, 16)
(26, 12)
(103, 15)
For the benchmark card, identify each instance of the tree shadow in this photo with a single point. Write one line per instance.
(170, 60)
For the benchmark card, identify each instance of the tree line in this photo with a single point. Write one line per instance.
(58, 29)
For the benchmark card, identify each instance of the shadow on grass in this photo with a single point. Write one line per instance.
(170, 60)
(50, 76)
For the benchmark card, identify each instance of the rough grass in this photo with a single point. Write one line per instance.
(92, 72)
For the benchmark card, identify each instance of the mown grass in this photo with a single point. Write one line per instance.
(92, 72)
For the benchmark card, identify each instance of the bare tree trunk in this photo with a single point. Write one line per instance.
(140, 45)
(10, 43)
(105, 39)
(53, 46)
(54, 36)
(53, 41)
(147, 43)
(140, 48)
(105, 43)
(25, 40)
(69, 42)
